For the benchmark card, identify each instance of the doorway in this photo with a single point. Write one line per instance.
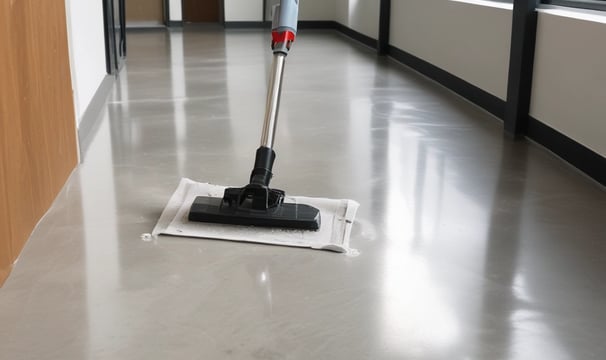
(144, 13)
(115, 35)
(268, 6)
(202, 11)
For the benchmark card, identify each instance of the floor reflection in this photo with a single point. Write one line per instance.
(499, 300)
(472, 246)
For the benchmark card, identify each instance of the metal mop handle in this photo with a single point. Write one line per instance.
(284, 30)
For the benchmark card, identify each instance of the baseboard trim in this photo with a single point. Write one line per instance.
(138, 25)
(172, 23)
(483, 99)
(91, 119)
(578, 155)
(247, 24)
(358, 36)
(317, 24)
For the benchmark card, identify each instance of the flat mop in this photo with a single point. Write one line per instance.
(257, 213)
(256, 203)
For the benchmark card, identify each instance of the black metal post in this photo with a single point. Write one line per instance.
(521, 63)
(384, 26)
(122, 4)
(110, 38)
(264, 11)
(167, 13)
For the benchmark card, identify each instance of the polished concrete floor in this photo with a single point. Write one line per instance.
(471, 246)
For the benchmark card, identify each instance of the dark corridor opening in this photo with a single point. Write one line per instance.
(202, 11)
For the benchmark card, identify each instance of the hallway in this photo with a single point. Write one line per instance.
(472, 246)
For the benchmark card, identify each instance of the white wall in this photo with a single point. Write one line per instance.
(359, 15)
(87, 50)
(468, 40)
(175, 10)
(317, 10)
(569, 85)
(243, 10)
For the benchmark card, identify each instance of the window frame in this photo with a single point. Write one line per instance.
(599, 5)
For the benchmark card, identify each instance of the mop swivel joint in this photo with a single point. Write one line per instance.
(264, 163)
(253, 197)
(257, 195)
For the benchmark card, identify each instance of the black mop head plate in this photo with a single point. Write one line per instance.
(289, 216)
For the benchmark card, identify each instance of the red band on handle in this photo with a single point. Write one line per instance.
(282, 37)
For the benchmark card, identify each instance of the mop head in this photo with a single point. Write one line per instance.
(337, 221)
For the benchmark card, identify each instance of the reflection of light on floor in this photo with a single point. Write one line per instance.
(264, 285)
(121, 91)
(414, 309)
(399, 214)
(520, 288)
(404, 106)
(179, 94)
(359, 143)
(99, 212)
(533, 339)
(400, 218)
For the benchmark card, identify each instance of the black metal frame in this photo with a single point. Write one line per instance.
(521, 64)
(113, 50)
(580, 4)
(167, 12)
(123, 26)
(384, 27)
(110, 47)
(222, 12)
(599, 5)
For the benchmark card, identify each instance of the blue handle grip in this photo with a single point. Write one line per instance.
(286, 16)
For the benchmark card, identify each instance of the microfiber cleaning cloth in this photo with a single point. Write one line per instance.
(337, 221)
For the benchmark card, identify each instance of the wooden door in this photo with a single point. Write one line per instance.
(198, 11)
(146, 12)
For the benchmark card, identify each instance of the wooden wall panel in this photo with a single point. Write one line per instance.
(5, 245)
(38, 150)
(8, 110)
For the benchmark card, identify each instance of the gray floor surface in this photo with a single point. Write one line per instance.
(472, 246)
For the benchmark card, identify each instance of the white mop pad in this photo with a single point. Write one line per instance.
(337, 218)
